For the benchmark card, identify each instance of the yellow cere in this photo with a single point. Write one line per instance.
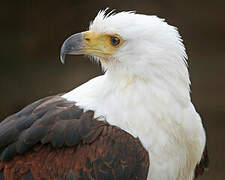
(100, 44)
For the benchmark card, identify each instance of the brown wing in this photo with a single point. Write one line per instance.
(203, 165)
(58, 140)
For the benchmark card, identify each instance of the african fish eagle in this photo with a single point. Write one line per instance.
(134, 122)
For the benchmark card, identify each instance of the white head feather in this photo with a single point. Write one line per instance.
(152, 49)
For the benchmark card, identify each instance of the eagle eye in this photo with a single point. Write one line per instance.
(115, 40)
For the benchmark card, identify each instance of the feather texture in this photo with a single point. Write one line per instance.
(66, 143)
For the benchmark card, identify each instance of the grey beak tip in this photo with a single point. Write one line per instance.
(72, 45)
(62, 58)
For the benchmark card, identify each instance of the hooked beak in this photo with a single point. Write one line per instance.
(73, 45)
(90, 43)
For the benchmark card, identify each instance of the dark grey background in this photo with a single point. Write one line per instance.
(33, 31)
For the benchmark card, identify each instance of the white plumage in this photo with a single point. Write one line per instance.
(145, 91)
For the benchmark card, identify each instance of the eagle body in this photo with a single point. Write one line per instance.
(136, 121)
(166, 138)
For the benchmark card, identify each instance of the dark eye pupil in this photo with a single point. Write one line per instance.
(115, 41)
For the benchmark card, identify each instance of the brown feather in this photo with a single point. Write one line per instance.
(113, 155)
(203, 165)
(58, 140)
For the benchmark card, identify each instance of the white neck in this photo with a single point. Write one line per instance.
(157, 109)
(121, 91)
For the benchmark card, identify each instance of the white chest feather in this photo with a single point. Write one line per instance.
(169, 129)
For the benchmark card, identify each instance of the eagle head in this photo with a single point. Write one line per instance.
(134, 45)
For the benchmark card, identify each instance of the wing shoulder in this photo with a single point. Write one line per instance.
(50, 120)
(60, 140)
(114, 155)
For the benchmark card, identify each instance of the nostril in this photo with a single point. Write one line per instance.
(87, 39)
